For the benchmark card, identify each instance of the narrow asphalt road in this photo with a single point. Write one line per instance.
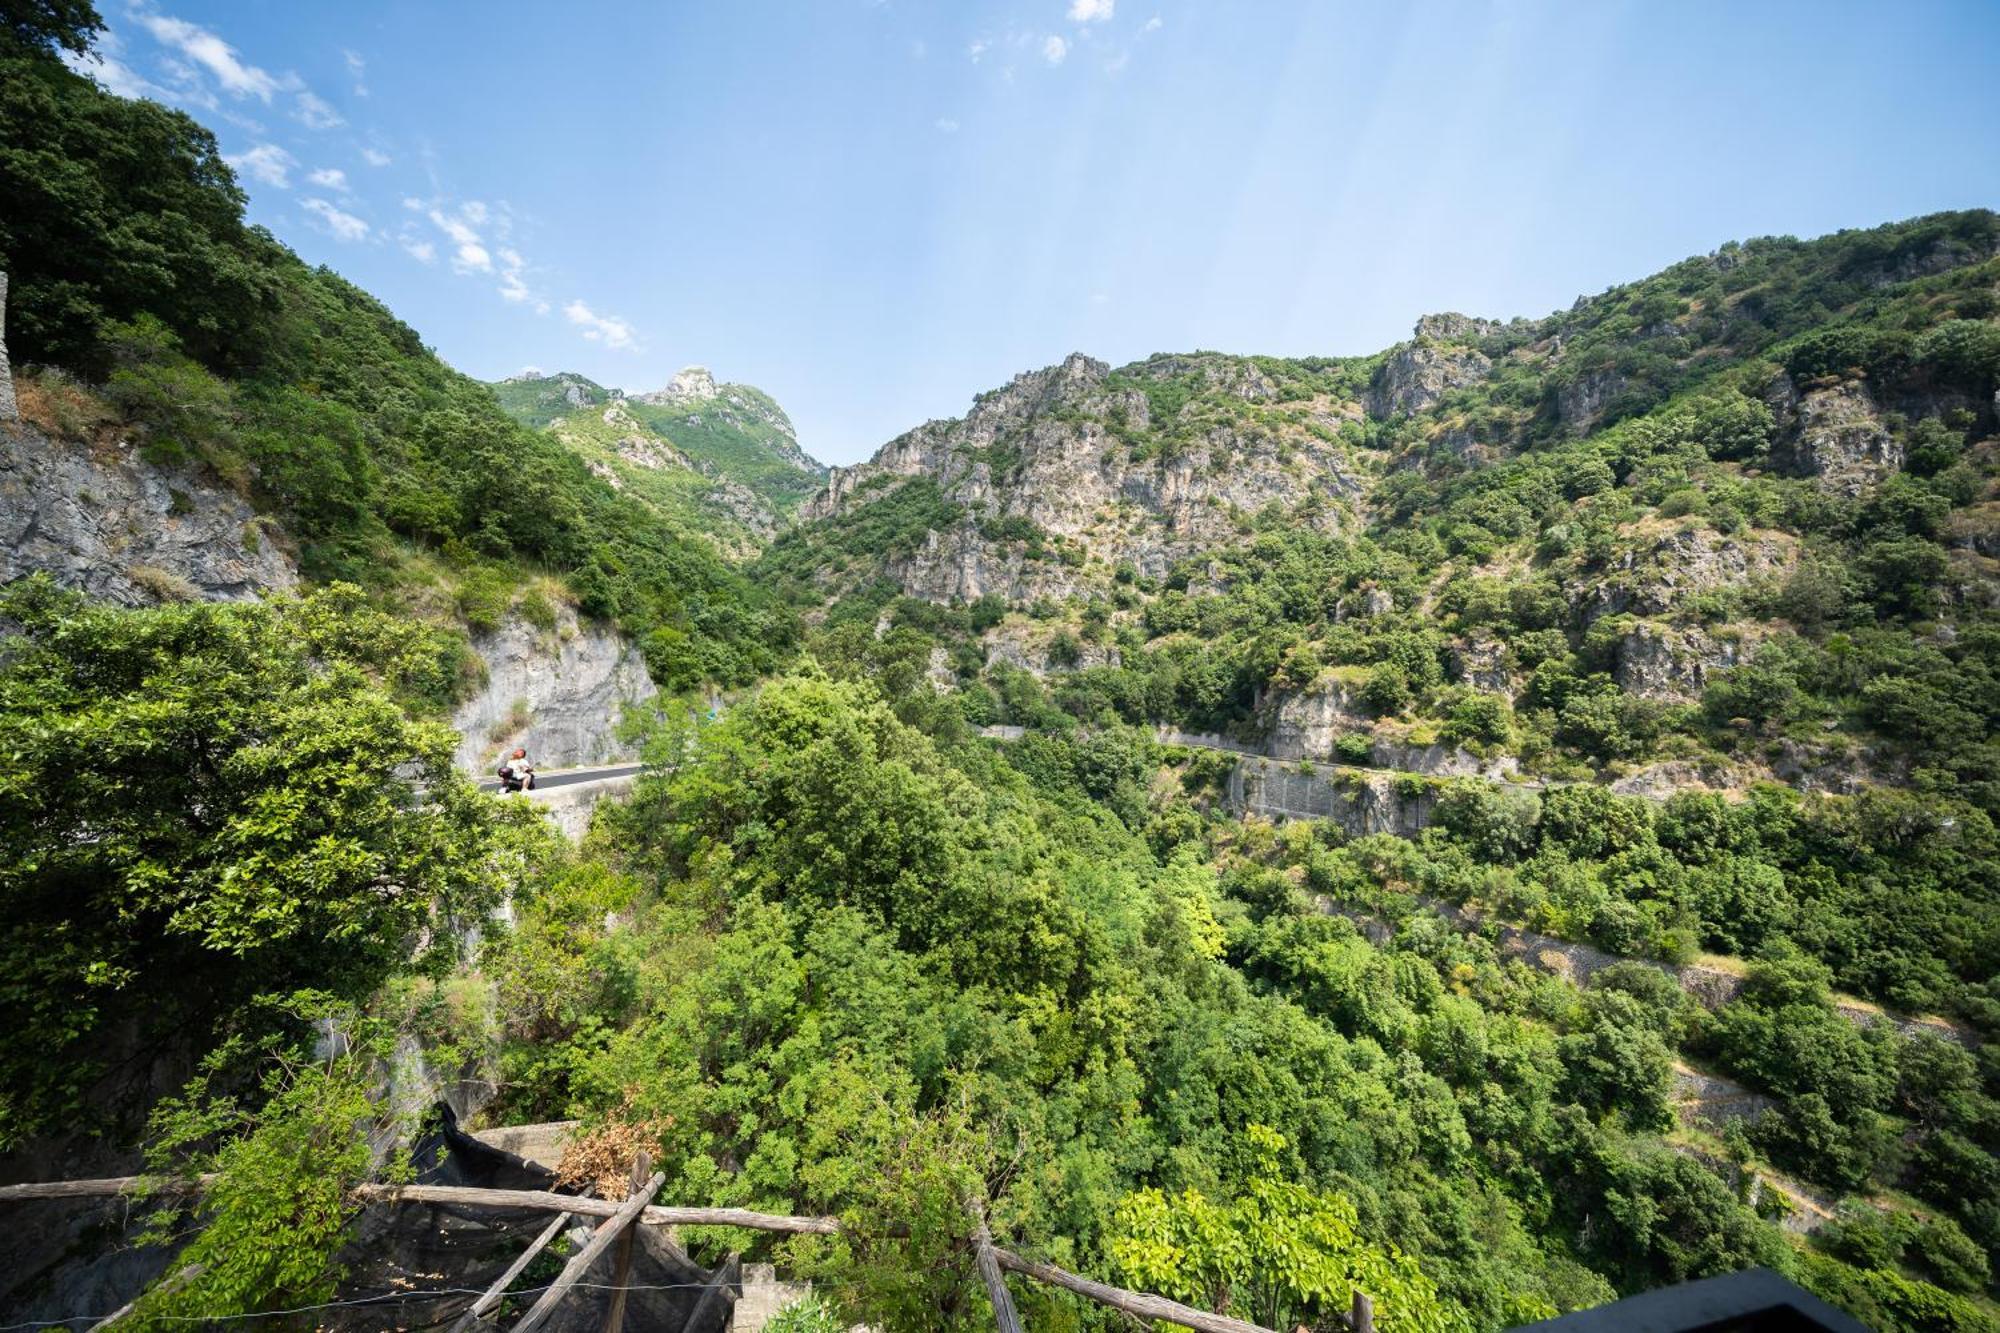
(565, 777)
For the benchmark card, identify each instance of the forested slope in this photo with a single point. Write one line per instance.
(839, 954)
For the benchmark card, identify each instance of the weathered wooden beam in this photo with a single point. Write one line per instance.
(580, 1262)
(485, 1304)
(109, 1185)
(621, 1272)
(1004, 1314)
(655, 1214)
(1142, 1304)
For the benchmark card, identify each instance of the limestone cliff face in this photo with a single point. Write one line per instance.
(1838, 438)
(1419, 374)
(557, 693)
(1062, 475)
(102, 520)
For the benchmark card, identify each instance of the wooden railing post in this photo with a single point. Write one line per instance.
(1004, 1314)
(642, 1166)
(1363, 1317)
(580, 1262)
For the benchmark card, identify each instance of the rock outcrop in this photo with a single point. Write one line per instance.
(1840, 439)
(1673, 662)
(693, 384)
(1419, 374)
(1067, 473)
(102, 520)
(1662, 565)
(1308, 724)
(558, 693)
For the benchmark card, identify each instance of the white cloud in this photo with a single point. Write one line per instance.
(470, 254)
(344, 226)
(1090, 11)
(607, 329)
(316, 114)
(216, 56)
(359, 69)
(512, 286)
(375, 157)
(946, 125)
(114, 76)
(1153, 24)
(1117, 63)
(331, 178)
(977, 49)
(267, 163)
(1054, 49)
(420, 250)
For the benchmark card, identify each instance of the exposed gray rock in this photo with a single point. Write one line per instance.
(1361, 803)
(1664, 567)
(1307, 724)
(1673, 662)
(1419, 374)
(107, 523)
(1840, 440)
(8, 410)
(1582, 401)
(557, 693)
(691, 385)
(1046, 450)
(1027, 645)
(1450, 326)
(1481, 662)
(1441, 761)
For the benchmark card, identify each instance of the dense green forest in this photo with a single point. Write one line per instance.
(841, 953)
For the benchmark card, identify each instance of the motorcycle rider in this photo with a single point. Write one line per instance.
(516, 773)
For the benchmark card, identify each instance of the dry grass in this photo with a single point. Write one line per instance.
(603, 1157)
(57, 405)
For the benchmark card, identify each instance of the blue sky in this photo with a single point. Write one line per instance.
(877, 210)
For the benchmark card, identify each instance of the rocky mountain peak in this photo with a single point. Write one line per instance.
(692, 384)
(1450, 326)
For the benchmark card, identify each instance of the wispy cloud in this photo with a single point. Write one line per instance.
(329, 178)
(607, 329)
(114, 75)
(200, 55)
(513, 286)
(344, 226)
(316, 114)
(267, 163)
(1153, 24)
(1054, 49)
(977, 49)
(358, 68)
(419, 249)
(471, 255)
(216, 56)
(946, 125)
(375, 157)
(1090, 11)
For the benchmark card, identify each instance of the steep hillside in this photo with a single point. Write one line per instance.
(1727, 531)
(146, 319)
(1565, 539)
(748, 470)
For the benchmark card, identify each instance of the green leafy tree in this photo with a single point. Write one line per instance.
(203, 803)
(1278, 1253)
